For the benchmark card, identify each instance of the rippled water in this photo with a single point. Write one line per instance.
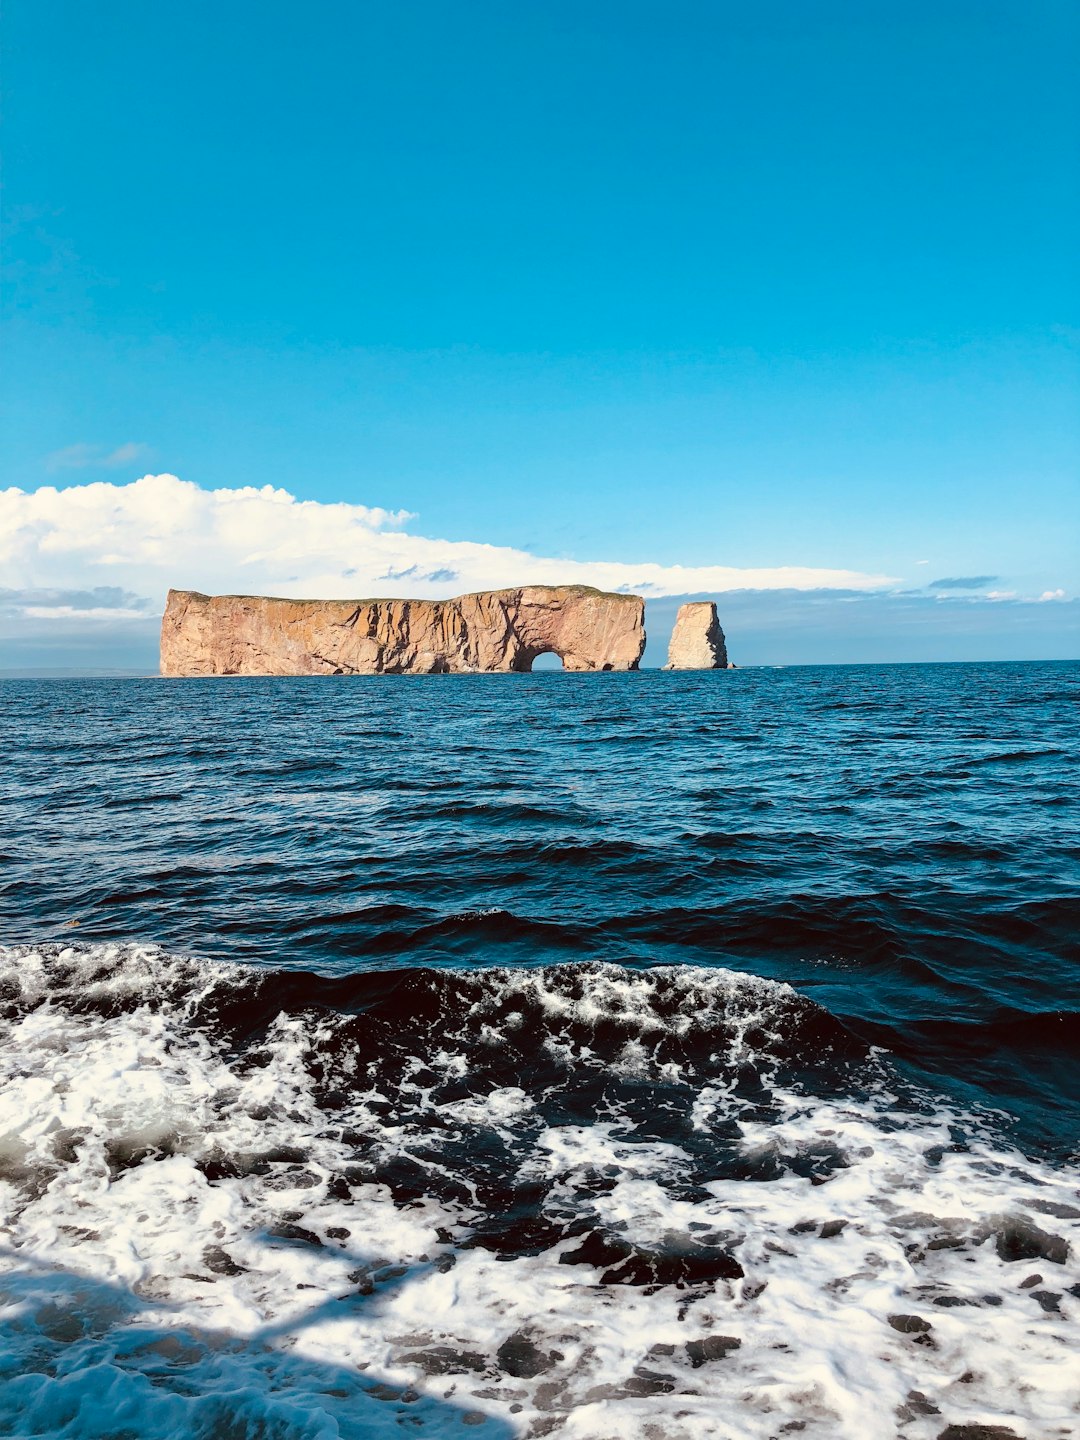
(649, 1054)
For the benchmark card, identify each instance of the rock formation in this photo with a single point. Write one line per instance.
(697, 642)
(493, 630)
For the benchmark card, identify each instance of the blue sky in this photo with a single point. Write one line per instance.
(703, 285)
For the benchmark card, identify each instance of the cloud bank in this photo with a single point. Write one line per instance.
(84, 570)
(160, 531)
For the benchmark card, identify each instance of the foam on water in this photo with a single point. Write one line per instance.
(226, 1216)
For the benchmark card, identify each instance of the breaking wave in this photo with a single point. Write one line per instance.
(583, 1200)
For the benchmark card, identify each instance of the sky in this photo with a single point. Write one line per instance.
(772, 303)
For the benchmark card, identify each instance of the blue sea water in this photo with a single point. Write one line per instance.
(564, 983)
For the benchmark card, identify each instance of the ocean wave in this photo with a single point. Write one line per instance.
(577, 1200)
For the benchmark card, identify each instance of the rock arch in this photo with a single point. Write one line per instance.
(492, 630)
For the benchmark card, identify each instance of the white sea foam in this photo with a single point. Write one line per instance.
(142, 1298)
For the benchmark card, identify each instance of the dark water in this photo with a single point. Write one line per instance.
(512, 954)
(900, 842)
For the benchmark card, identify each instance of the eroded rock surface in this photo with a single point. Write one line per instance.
(492, 630)
(697, 642)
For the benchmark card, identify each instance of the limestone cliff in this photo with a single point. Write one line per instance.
(493, 630)
(697, 642)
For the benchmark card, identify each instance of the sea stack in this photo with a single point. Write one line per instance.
(697, 642)
(493, 630)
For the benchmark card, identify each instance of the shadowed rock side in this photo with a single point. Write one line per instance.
(492, 630)
(697, 642)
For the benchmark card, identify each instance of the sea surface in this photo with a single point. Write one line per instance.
(650, 1056)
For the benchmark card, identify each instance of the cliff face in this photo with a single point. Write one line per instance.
(697, 642)
(492, 630)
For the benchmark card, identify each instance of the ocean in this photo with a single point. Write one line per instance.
(649, 1056)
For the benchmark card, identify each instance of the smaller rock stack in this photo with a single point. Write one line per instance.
(697, 642)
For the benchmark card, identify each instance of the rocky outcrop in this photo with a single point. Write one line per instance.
(492, 630)
(697, 642)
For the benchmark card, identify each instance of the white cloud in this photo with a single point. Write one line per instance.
(72, 612)
(1052, 595)
(95, 457)
(161, 531)
(102, 602)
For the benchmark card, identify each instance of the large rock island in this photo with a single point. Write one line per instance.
(493, 630)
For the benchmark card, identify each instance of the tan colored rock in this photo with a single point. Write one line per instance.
(697, 642)
(493, 630)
